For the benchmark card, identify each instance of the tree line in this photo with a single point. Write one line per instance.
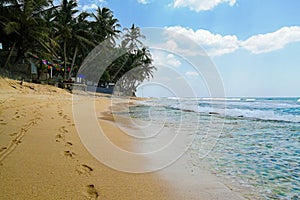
(62, 33)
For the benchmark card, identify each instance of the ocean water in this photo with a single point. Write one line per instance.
(253, 141)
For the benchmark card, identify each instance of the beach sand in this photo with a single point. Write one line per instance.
(42, 156)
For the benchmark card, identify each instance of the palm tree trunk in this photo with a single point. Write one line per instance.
(65, 58)
(120, 68)
(73, 62)
(9, 55)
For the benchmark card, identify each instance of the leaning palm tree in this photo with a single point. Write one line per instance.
(81, 38)
(135, 68)
(134, 46)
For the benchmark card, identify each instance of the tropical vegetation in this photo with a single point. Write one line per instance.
(63, 34)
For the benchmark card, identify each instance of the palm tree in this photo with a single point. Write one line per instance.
(140, 68)
(25, 27)
(63, 23)
(39, 27)
(131, 38)
(77, 34)
(105, 26)
(81, 37)
(131, 43)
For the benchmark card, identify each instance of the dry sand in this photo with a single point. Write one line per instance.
(42, 156)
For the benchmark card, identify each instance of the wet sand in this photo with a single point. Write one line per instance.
(42, 156)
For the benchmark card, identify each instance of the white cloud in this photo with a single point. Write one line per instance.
(186, 41)
(89, 7)
(214, 44)
(161, 58)
(192, 73)
(171, 60)
(143, 1)
(200, 5)
(264, 43)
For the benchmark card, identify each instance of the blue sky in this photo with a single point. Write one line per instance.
(254, 44)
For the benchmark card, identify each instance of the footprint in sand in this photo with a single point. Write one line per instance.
(63, 129)
(59, 137)
(16, 141)
(34, 120)
(67, 118)
(16, 117)
(69, 154)
(91, 192)
(60, 113)
(84, 169)
(13, 134)
(69, 144)
(23, 130)
(2, 149)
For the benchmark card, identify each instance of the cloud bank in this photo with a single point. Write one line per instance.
(264, 43)
(214, 44)
(217, 45)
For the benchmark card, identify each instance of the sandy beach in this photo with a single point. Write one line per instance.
(42, 156)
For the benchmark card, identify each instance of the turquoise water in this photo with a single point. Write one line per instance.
(259, 143)
(265, 155)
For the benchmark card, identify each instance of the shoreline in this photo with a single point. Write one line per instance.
(42, 155)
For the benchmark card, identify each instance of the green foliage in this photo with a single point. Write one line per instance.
(62, 32)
